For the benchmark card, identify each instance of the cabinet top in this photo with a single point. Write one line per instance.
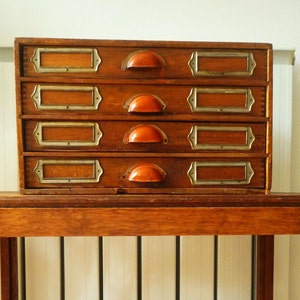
(141, 43)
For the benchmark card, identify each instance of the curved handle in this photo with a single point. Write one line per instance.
(145, 104)
(145, 133)
(144, 59)
(146, 172)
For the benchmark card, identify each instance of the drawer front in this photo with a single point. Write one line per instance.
(110, 136)
(153, 173)
(128, 62)
(144, 100)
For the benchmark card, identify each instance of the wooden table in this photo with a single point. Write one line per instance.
(117, 215)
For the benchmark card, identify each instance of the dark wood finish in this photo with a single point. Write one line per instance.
(9, 268)
(93, 215)
(265, 267)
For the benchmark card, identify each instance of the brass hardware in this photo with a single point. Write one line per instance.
(197, 71)
(195, 107)
(36, 60)
(96, 134)
(198, 145)
(193, 173)
(38, 99)
(41, 163)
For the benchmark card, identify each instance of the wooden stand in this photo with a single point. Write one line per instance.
(117, 215)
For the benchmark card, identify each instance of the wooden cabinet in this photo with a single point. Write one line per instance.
(100, 116)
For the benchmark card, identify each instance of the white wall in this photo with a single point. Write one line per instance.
(232, 20)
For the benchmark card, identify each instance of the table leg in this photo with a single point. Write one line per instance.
(265, 267)
(9, 268)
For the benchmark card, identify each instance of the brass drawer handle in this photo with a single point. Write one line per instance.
(222, 63)
(229, 100)
(235, 138)
(143, 59)
(92, 131)
(145, 104)
(88, 94)
(50, 171)
(65, 60)
(214, 173)
(146, 172)
(145, 133)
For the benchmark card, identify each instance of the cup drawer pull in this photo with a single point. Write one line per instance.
(145, 104)
(146, 172)
(145, 133)
(143, 59)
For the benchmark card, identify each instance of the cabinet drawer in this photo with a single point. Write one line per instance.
(142, 174)
(145, 62)
(110, 136)
(142, 100)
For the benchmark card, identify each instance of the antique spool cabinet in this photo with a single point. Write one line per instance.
(132, 117)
